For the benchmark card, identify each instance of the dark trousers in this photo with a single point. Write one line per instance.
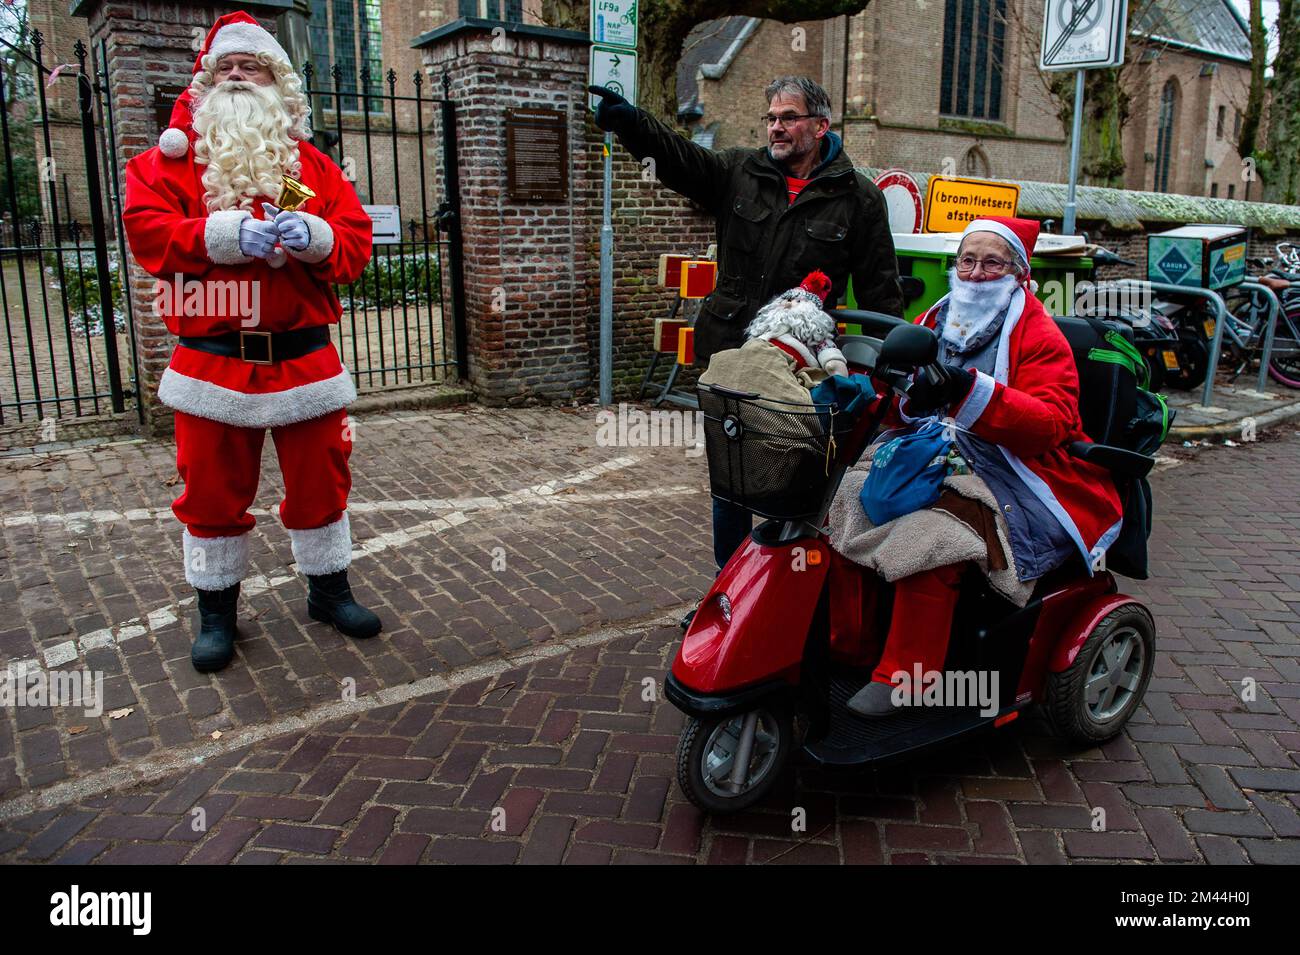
(731, 525)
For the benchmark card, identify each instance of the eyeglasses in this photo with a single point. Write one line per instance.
(786, 119)
(991, 265)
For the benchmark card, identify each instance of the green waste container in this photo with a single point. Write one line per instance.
(928, 257)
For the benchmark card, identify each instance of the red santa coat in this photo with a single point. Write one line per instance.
(174, 237)
(1029, 408)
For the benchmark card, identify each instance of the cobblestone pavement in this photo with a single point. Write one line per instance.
(502, 717)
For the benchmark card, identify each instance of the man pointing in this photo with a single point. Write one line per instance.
(792, 207)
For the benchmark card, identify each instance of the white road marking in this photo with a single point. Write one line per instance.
(556, 491)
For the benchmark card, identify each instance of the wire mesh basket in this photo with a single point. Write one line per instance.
(775, 458)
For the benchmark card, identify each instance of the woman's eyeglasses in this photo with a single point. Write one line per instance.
(992, 266)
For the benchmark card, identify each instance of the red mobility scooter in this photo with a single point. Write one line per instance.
(791, 630)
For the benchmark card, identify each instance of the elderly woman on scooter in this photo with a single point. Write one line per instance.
(1007, 384)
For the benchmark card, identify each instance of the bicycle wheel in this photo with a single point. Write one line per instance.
(1284, 368)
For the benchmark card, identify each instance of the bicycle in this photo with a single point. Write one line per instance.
(1247, 318)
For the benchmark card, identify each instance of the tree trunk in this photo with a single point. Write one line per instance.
(665, 24)
(1255, 100)
(1105, 111)
(1279, 166)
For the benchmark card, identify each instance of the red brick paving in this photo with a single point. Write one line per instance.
(560, 760)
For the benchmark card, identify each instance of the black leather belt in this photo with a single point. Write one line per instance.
(262, 348)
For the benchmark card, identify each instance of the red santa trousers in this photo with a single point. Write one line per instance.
(920, 623)
(220, 465)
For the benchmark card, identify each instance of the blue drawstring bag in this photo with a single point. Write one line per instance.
(906, 473)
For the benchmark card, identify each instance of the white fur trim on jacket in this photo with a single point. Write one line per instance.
(981, 394)
(320, 242)
(221, 236)
(173, 143)
(214, 563)
(830, 353)
(798, 346)
(204, 399)
(246, 38)
(323, 550)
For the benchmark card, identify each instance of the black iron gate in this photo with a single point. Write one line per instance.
(67, 317)
(404, 319)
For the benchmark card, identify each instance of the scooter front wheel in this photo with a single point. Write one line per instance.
(728, 763)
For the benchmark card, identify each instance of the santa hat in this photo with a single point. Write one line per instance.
(815, 287)
(233, 33)
(1020, 234)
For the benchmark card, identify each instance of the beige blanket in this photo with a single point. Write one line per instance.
(925, 539)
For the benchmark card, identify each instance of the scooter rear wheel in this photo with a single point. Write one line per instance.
(1090, 701)
(706, 754)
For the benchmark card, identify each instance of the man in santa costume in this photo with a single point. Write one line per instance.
(199, 215)
(1008, 382)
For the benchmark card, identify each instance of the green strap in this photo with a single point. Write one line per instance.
(1124, 354)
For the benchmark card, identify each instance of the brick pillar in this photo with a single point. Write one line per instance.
(528, 266)
(150, 47)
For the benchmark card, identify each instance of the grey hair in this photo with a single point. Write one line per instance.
(816, 100)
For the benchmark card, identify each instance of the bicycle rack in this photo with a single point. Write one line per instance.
(1270, 330)
(1220, 313)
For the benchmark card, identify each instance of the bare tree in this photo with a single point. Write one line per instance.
(665, 24)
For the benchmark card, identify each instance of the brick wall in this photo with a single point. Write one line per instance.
(735, 100)
(528, 265)
(1203, 86)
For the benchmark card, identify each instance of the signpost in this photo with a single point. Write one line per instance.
(1080, 35)
(385, 224)
(613, 65)
(902, 200)
(951, 202)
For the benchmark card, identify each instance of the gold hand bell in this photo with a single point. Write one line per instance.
(293, 195)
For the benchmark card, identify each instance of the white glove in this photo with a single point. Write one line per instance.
(257, 238)
(293, 230)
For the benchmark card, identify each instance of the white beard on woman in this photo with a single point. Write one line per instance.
(245, 141)
(972, 306)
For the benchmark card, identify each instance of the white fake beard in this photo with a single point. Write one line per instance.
(244, 142)
(797, 317)
(972, 305)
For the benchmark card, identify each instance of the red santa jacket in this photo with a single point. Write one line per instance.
(207, 287)
(1029, 408)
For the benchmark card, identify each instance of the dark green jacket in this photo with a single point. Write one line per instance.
(766, 244)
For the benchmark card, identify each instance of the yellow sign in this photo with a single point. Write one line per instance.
(952, 202)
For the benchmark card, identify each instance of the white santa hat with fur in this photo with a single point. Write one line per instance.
(234, 32)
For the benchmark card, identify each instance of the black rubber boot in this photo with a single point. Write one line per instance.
(329, 600)
(214, 644)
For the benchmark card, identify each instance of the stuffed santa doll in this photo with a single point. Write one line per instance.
(795, 323)
(249, 291)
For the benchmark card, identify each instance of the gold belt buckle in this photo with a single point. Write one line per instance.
(243, 347)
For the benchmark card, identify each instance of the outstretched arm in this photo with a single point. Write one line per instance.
(685, 167)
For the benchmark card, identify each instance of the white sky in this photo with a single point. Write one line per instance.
(1270, 17)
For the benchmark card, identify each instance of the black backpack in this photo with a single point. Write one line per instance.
(1118, 409)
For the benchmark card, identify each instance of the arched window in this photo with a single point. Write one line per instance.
(1165, 124)
(975, 163)
(974, 50)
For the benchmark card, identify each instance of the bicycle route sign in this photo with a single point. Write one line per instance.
(1083, 34)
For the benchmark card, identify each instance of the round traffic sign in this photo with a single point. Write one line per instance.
(902, 200)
